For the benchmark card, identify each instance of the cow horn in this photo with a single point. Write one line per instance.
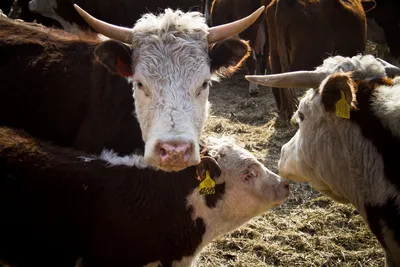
(112, 31)
(295, 79)
(221, 32)
(391, 70)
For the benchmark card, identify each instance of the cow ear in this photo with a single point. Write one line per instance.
(338, 86)
(228, 55)
(115, 57)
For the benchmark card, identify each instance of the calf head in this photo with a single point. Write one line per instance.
(172, 59)
(244, 187)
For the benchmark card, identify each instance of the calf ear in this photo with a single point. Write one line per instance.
(208, 164)
(228, 55)
(332, 91)
(115, 57)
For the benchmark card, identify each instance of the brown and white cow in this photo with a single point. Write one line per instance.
(52, 81)
(61, 206)
(302, 33)
(348, 141)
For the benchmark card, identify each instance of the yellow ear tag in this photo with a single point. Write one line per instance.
(342, 107)
(207, 187)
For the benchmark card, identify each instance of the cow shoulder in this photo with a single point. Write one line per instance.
(228, 55)
(115, 57)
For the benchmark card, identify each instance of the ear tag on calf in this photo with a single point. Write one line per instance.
(343, 107)
(207, 187)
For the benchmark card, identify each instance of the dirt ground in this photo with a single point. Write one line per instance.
(309, 229)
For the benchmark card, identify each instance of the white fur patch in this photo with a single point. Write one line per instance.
(364, 67)
(132, 160)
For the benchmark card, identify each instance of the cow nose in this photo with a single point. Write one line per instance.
(174, 153)
(282, 191)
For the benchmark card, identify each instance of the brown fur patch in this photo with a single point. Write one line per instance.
(331, 91)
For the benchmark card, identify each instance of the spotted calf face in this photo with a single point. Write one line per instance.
(249, 187)
(323, 149)
(171, 67)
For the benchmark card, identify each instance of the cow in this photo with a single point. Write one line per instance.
(122, 12)
(348, 139)
(60, 206)
(225, 11)
(302, 33)
(72, 89)
(384, 27)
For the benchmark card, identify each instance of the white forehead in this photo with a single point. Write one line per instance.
(228, 147)
(171, 45)
(366, 67)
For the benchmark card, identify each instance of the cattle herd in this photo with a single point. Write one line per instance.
(103, 160)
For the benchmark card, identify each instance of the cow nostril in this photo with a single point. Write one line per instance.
(163, 152)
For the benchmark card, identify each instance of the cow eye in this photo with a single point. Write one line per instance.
(300, 115)
(205, 85)
(139, 85)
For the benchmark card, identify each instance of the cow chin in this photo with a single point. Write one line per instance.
(172, 153)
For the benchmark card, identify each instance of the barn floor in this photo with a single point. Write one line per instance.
(309, 229)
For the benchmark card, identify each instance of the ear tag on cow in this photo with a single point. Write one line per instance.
(207, 187)
(343, 107)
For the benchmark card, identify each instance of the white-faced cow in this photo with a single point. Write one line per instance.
(59, 206)
(348, 141)
(57, 85)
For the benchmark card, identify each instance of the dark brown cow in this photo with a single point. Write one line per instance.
(304, 32)
(118, 12)
(224, 11)
(60, 206)
(68, 89)
(384, 16)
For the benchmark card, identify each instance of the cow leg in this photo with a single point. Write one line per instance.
(251, 64)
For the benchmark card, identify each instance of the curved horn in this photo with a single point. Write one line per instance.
(221, 32)
(391, 70)
(115, 32)
(295, 79)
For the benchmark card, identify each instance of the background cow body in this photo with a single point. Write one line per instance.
(56, 86)
(224, 11)
(352, 157)
(384, 27)
(302, 33)
(60, 208)
(120, 12)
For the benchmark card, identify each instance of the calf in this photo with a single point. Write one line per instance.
(348, 140)
(59, 205)
(71, 89)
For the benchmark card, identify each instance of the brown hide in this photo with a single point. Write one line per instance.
(304, 32)
(54, 89)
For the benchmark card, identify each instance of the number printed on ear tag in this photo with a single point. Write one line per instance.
(207, 187)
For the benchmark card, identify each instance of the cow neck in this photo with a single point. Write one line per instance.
(386, 213)
(385, 142)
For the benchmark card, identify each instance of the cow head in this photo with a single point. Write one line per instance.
(329, 149)
(172, 59)
(244, 187)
